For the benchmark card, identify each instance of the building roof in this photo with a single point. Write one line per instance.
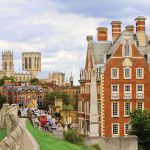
(99, 49)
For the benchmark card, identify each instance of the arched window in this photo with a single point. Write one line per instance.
(29, 62)
(26, 64)
(5, 66)
(35, 63)
(127, 50)
(10, 66)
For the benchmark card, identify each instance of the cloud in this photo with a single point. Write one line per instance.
(59, 30)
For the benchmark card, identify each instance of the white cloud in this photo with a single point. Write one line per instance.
(58, 33)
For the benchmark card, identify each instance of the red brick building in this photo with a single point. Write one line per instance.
(123, 77)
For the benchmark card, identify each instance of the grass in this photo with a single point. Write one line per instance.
(48, 142)
(3, 134)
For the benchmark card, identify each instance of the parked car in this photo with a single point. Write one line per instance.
(24, 113)
(53, 127)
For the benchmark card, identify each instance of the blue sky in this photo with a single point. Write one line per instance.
(58, 28)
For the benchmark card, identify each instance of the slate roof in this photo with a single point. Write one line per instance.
(99, 49)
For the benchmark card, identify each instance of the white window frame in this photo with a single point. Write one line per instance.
(117, 115)
(125, 132)
(125, 88)
(127, 44)
(125, 73)
(115, 92)
(124, 50)
(138, 103)
(127, 92)
(118, 129)
(142, 88)
(139, 92)
(142, 77)
(127, 115)
(117, 88)
(112, 77)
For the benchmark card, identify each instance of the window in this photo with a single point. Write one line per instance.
(140, 88)
(139, 91)
(114, 91)
(114, 88)
(126, 128)
(139, 73)
(127, 108)
(83, 107)
(89, 107)
(83, 124)
(127, 50)
(115, 129)
(114, 73)
(127, 73)
(115, 109)
(127, 89)
(140, 105)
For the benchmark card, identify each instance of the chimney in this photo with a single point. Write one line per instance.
(130, 28)
(140, 30)
(101, 34)
(116, 30)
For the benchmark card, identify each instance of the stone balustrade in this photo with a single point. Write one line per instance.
(9, 120)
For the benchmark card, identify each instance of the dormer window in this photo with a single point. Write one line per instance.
(127, 50)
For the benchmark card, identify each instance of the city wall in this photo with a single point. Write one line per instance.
(9, 120)
(114, 143)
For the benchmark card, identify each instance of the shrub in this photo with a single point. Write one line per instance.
(73, 136)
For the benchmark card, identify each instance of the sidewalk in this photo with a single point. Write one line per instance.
(29, 142)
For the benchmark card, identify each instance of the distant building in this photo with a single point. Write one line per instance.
(31, 62)
(30, 66)
(115, 79)
(57, 78)
(24, 95)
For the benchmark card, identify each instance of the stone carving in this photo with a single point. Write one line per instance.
(127, 62)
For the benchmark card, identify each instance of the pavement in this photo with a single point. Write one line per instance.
(29, 142)
(58, 133)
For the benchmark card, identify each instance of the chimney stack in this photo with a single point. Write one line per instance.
(101, 34)
(130, 28)
(140, 23)
(116, 30)
(140, 30)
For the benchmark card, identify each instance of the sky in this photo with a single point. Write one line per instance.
(58, 28)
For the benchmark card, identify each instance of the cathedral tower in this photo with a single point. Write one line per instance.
(31, 61)
(7, 62)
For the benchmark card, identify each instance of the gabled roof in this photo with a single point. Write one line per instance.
(99, 49)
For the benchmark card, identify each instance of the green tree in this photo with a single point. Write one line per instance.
(67, 107)
(73, 136)
(49, 98)
(140, 126)
(2, 81)
(2, 100)
(34, 81)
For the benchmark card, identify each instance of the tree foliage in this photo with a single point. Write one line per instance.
(73, 136)
(34, 81)
(140, 126)
(67, 107)
(49, 98)
(2, 81)
(2, 100)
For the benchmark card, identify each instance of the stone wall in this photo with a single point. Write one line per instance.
(9, 120)
(114, 143)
